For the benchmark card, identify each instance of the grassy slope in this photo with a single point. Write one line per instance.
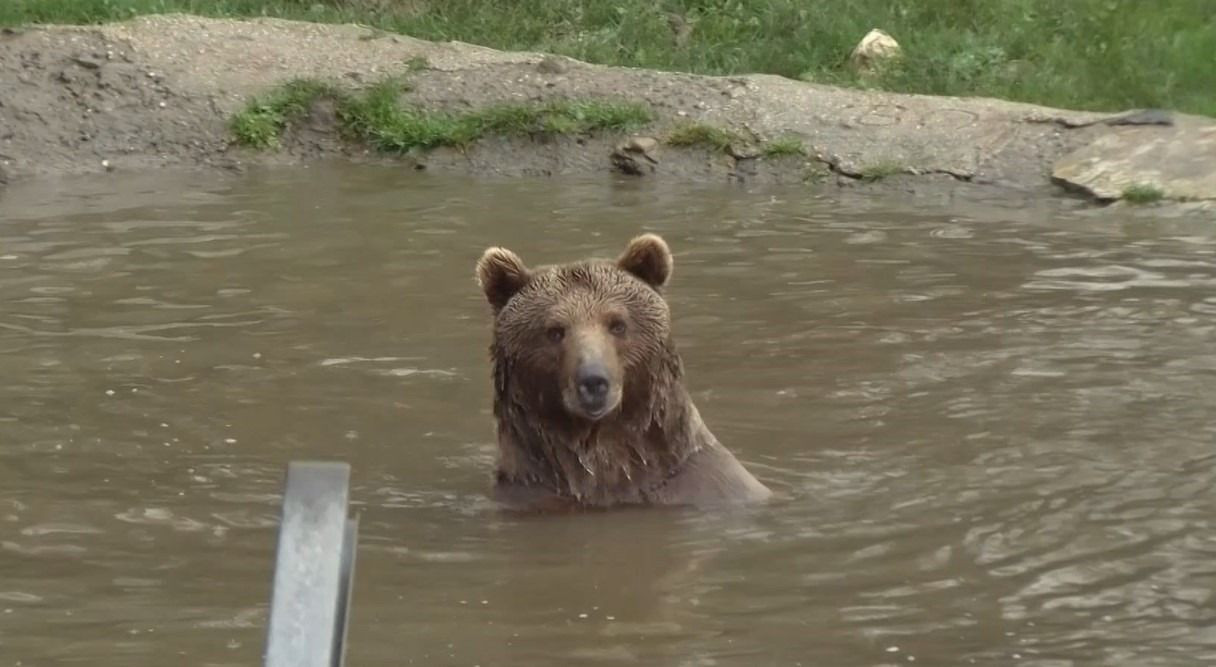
(378, 117)
(1090, 54)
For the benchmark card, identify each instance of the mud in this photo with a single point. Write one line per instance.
(158, 91)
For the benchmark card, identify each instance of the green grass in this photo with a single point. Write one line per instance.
(879, 171)
(700, 134)
(782, 147)
(1143, 193)
(379, 117)
(723, 140)
(1088, 54)
(261, 122)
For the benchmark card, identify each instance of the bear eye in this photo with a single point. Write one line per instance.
(617, 327)
(556, 333)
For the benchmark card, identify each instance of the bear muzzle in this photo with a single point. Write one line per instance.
(595, 393)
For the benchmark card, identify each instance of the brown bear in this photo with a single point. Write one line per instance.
(589, 399)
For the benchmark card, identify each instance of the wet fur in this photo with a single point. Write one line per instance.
(654, 448)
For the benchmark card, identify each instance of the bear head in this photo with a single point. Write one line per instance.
(580, 342)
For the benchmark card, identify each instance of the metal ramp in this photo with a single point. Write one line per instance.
(314, 568)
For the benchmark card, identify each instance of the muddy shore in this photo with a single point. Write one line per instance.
(158, 92)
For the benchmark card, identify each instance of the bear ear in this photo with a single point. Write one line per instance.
(648, 258)
(501, 273)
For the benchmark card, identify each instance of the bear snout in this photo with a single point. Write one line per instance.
(595, 394)
(593, 384)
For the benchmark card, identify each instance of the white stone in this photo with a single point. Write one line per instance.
(875, 48)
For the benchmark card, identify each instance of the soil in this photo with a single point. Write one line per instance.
(158, 91)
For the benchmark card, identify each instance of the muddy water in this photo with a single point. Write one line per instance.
(991, 426)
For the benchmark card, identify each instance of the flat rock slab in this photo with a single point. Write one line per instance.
(1179, 160)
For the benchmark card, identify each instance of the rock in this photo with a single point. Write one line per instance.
(743, 153)
(551, 65)
(87, 63)
(642, 145)
(1144, 117)
(634, 155)
(873, 51)
(681, 28)
(1141, 117)
(1178, 159)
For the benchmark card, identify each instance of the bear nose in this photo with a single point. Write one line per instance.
(593, 384)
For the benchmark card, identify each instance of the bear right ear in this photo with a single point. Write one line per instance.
(648, 258)
(501, 273)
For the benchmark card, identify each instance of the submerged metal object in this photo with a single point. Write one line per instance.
(314, 568)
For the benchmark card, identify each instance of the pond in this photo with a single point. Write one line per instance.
(990, 424)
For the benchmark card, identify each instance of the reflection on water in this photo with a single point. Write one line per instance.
(991, 425)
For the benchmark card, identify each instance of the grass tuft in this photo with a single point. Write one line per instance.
(700, 134)
(562, 117)
(261, 122)
(783, 147)
(379, 117)
(1143, 193)
(879, 171)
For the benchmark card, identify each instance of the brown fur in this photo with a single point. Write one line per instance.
(651, 446)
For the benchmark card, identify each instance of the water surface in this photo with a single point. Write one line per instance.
(991, 425)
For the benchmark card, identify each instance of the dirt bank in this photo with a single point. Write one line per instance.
(158, 91)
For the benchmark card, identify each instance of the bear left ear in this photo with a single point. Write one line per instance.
(501, 274)
(648, 258)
